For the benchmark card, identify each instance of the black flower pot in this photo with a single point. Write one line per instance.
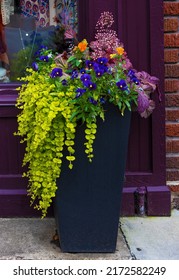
(88, 199)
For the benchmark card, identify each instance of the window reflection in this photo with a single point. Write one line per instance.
(25, 26)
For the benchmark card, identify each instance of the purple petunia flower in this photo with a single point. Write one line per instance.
(56, 72)
(121, 84)
(44, 58)
(35, 66)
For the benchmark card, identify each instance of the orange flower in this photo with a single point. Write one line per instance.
(120, 50)
(82, 45)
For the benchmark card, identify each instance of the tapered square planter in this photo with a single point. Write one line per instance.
(88, 199)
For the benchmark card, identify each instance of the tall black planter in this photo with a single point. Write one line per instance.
(88, 199)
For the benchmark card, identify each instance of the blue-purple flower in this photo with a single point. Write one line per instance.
(82, 71)
(35, 66)
(44, 58)
(102, 60)
(92, 101)
(131, 73)
(99, 69)
(132, 76)
(56, 72)
(91, 85)
(80, 92)
(89, 63)
(74, 74)
(85, 77)
(121, 84)
(41, 48)
(102, 100)
(105, 68)
(135, 80)
(86, 83)
(96, 66)
(64, 82)
(99, 72)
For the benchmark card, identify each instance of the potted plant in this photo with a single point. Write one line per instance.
(76, 103)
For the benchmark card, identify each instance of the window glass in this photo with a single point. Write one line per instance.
(27, 25)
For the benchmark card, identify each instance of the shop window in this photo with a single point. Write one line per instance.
(27, 25)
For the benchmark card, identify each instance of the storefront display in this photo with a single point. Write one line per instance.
(25, 25)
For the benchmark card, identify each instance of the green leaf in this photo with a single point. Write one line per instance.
(128, 104)
(102, 116)
(119, 104)
(78, 63)
(71, 58)
(74, 115)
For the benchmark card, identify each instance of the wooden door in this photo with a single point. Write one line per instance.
(139, 25)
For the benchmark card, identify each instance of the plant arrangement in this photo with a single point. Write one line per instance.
(62, 91)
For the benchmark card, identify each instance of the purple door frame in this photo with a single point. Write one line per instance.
(139, 25)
